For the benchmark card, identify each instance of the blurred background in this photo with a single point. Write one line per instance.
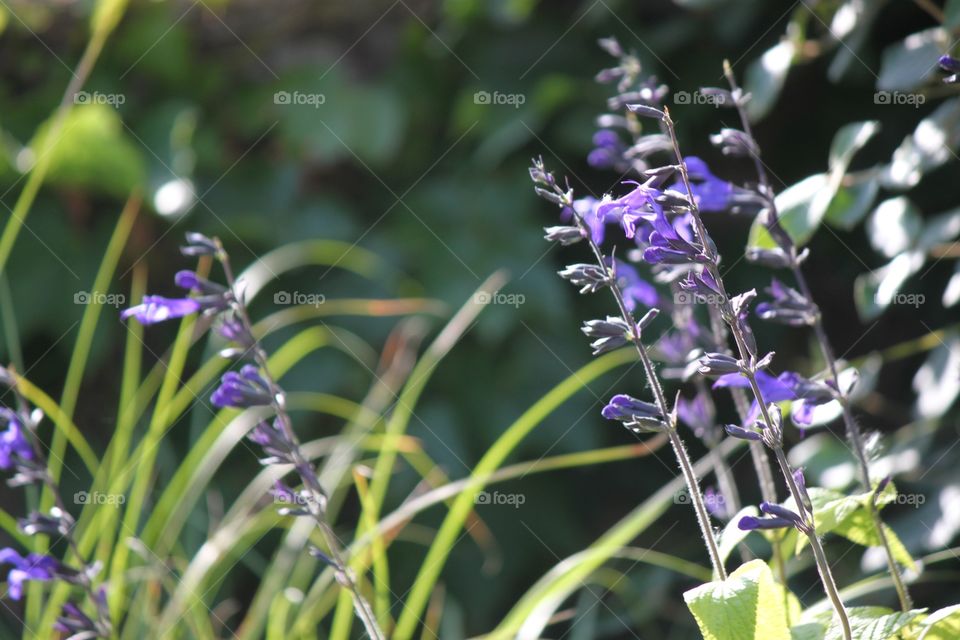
(406, 127)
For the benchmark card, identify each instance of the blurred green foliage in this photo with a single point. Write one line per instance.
(275, 122)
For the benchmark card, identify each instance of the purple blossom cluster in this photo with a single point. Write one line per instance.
(254, 386)
(663, 217)
(21, 455)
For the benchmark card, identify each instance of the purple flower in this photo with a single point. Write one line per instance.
(672, 243)
(626, 408)
(155, 309)
(608, 149)
(635, 289)
(710, 192)
(715, 502)
(952, 66)
(636, 415)
(749, 523)
(787, 386)
(587, 209)
(32, 567)
(639, 207)
(13, 442)
(244, 389)
(698, 413)
(788, 306)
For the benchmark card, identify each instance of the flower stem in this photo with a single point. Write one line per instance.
(679, 450)
(303, 467)
(104, 628)
(853, 431)
(726, 312)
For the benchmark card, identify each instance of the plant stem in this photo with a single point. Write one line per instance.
(679, 450)
(303, 467)
(726, 312)
(853, 431)
(104, 629)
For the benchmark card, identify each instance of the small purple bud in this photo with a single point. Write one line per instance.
(749, 523)
(743, 434)
(646, 111)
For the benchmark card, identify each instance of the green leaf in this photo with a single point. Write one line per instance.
(732, 534)
(851, 203)
(848, 516)
(894, 226)
(933, 143)
(951, 11)
(943, 624)
(936, 382)
(747, 605)
(797, 215)
(875, 291)
(873, 623)
(849, 139)
(912, 62)
(92, 152)
(860, 529)
(765, 76)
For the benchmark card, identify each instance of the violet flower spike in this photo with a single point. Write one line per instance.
(13, 443)
(156, 309)
(241, 390)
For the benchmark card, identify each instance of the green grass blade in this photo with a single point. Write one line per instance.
(447, 535)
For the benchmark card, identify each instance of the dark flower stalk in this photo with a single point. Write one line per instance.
(253, 386)
(658, 416)
(21, 451)
(813, 317)
(733, 313)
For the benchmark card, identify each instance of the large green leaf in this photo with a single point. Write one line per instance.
(797, 215)
(748, 605)
(936, 382)
(911, 62)
(765, 76)
(872, 623)
(943, 624)
(92, 152)
(932, 144)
